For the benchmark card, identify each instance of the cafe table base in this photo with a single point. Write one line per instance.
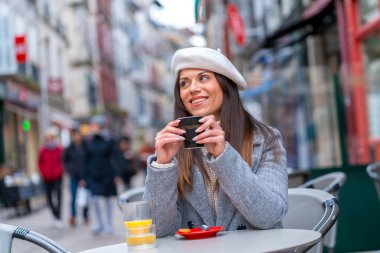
(273, 240)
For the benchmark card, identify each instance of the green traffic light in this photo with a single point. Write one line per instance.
(26, 125)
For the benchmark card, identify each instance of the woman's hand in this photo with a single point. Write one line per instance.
(212, 137)
(168, 142)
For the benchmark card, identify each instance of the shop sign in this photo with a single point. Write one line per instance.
(20, 49)
(236, 23)
(55, 86)
(21, 95)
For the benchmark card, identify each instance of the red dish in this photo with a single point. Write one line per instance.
(198, 233)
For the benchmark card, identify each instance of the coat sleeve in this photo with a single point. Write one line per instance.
(41, 163)
(161, 190)
(115, 158)
(66, 159)
(260, 195)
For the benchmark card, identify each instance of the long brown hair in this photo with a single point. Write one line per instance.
(239, 127)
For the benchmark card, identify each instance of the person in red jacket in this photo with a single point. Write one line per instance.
(51, 170)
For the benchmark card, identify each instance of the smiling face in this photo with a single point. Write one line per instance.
(200, 92)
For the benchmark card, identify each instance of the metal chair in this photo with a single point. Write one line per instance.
(311, 209)
(131, 195)
(331, 183)
(373, 171)
(297, 177)
(8, 232)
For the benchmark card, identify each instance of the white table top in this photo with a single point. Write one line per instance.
(274, 240)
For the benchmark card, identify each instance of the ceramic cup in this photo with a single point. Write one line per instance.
(190, 124)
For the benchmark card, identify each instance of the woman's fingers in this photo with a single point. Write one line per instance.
(171, 128)
(204, 136)
(164, 141)
(208, 122)
(169, 135)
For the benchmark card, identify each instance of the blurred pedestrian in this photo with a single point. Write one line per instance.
(101, 172)
(74, 162)
(127, 161)
(145, 151)
(51, 169)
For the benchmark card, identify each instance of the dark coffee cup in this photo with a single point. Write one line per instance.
(190, 124)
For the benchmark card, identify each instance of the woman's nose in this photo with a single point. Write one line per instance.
(194, 86)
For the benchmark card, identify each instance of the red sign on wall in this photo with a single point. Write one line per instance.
(20, 48)
(54, 86)
(235, 21)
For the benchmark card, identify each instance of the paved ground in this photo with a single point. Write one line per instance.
(74, 239)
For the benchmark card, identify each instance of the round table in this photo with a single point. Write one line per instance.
(273, 240)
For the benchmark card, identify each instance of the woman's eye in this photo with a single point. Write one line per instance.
(204, 78)
(183, 84)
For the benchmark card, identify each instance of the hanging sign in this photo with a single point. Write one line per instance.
(236, 23)
(20, 48)
(54, 86)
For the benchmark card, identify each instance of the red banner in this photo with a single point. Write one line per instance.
(20, 48)
(236, 23)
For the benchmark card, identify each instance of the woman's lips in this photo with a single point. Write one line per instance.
(196, 101)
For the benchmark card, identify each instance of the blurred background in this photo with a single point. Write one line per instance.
(312, 68)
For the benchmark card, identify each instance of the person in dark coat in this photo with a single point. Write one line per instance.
(74, 164)
(127, 161)
(101, 172)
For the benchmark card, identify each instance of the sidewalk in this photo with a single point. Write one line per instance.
(74, 239)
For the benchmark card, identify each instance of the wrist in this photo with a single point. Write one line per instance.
(161, 161)
(220, 151)
(157, 165)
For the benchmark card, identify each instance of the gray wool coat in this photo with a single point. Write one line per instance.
(255, 197)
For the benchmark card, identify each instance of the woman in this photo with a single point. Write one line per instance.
(51, 170)
(239, 179)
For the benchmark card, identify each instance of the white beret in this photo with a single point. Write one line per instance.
(208, 59)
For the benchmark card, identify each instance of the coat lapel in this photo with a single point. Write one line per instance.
(197, 197)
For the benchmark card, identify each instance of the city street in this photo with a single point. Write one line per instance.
(74, 239)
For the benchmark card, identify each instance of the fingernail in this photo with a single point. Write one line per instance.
(195, 138)
(201, 120)
(181, 138)
(197, 130)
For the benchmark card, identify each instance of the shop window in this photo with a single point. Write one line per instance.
(304, 109)
(369, 9)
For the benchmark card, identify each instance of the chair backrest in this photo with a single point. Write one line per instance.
(331, 183)
(297, 177)
(373, 171)
(131, 195)
(8, 232)
(311, 209)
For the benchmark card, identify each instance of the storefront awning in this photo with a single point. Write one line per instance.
(62, 119)
(311, 15)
